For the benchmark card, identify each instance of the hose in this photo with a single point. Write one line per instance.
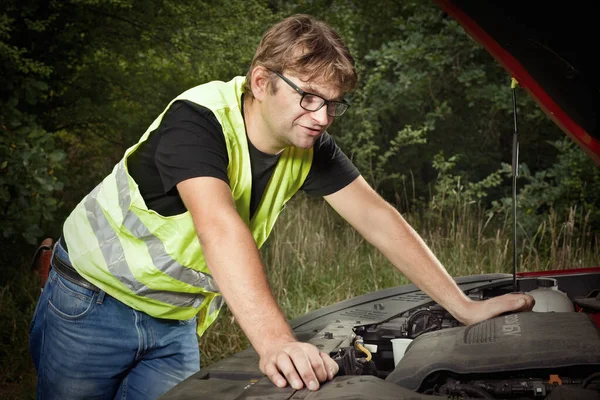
(590, 379)
(362, 348)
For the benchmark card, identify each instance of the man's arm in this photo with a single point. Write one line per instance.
(234, 261)
(381, 224)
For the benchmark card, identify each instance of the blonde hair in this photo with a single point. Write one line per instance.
(305, 46)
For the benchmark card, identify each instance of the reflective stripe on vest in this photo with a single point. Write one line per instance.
(114, 254)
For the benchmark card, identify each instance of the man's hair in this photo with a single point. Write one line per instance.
(305, 46)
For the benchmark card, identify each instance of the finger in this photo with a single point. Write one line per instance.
(529, 303)
(273, 373)
(523, 302)
(318, 365)
(303, 366)
(331, 366)
(499, 305)
(288, 369)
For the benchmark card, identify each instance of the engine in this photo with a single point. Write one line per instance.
(528, 355)
(513, 356)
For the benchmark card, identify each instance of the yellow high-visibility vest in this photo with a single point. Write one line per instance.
(153, 263)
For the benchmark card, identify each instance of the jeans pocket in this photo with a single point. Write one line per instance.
(69, 300)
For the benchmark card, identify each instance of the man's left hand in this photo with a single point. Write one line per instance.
(479, 311)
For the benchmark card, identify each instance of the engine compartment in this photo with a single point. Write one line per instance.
(529, 355)
(545, 355)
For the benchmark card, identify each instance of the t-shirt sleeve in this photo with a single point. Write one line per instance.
(191, 145)
(331, 169)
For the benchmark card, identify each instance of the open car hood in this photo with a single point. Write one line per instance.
(550, 50)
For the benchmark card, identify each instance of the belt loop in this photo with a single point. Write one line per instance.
(100, 299)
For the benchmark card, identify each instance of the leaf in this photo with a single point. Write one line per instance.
(57, 156)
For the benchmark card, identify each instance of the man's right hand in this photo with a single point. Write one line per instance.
(234, 262)
(300, 364)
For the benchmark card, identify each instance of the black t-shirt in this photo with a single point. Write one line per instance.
(189, 143)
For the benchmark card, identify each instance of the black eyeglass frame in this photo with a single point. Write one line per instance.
(325, 102)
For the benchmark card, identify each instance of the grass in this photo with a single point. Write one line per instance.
(314, 259)
(19, 291)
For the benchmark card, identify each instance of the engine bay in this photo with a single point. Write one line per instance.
(550, 353)
(545, 354)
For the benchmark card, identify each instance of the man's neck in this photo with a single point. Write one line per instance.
(256, 129)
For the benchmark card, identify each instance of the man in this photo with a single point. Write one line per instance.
(178, 223)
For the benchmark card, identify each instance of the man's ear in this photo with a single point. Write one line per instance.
(261, 81)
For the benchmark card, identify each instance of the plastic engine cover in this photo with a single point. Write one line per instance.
(514, 342)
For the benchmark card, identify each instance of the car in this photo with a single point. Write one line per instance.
(551, 352)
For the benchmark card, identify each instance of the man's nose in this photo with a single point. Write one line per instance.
(321, 116)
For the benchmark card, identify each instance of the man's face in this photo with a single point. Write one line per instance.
(289, 123)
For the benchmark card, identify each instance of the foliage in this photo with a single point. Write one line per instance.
(93, 74)
(421, 70)
(453, 191)
(30, 160)
(572, 183)
(82, 79)
(28, 180)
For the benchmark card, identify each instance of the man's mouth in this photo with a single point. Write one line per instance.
(313, 131)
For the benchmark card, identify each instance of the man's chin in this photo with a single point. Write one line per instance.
(306, 142)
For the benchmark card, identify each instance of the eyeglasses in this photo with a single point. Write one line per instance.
(314, 102)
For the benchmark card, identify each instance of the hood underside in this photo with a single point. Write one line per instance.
(549, 48)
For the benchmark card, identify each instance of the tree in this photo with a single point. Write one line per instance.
(82, 79)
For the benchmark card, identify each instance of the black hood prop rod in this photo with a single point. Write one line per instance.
(515, 174)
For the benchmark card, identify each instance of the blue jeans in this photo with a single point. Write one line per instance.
(88, 345)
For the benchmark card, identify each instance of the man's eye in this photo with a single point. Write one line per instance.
(312, 100)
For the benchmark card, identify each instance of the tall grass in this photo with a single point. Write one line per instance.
(314, 258)
(19, 290)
